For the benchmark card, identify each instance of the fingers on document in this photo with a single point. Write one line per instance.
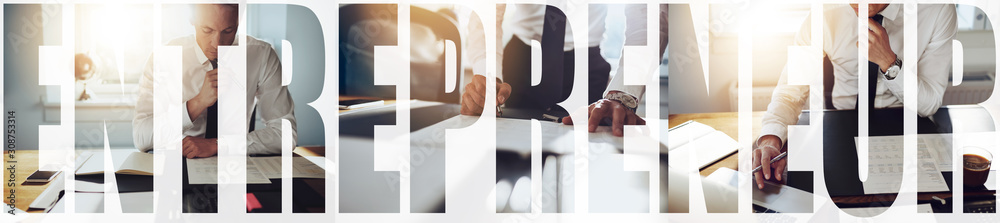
(568, 120)
(618, 117)
(597, 113)
(756, 162)
(581, 112)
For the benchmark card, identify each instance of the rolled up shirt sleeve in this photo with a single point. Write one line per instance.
(787, 101)
(635, 34)
(142, 118)
(274, 104)
(477, 44)
(933, 65)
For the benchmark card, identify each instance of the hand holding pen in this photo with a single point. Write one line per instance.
(474, 95)
(768, 159)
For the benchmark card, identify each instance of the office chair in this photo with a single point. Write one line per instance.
(367, 25)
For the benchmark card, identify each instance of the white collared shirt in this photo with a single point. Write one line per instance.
(936, 29)
(526, 24)
(274, 103)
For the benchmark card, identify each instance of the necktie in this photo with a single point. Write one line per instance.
(212, 119)
(873, 71)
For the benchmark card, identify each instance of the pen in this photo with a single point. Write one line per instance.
(551, 118)
(499, 111)
(775, 159)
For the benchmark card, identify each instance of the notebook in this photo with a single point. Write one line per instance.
(134, 163)
(709, 144)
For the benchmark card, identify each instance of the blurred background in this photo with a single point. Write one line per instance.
(770, 53)
(113, 41)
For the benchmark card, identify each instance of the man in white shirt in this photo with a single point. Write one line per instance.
(215, 25)
(936, 29)
(612, 103)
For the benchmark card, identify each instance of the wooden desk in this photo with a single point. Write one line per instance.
(727, 122)
(27, 163)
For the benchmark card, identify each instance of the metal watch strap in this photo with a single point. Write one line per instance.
(616, 96)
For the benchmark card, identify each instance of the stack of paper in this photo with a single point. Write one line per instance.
(935, 155)
(885, 167)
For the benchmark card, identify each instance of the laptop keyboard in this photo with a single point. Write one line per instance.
(983, 206)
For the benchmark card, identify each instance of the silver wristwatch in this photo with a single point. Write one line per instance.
(893, 70)
(629, 101)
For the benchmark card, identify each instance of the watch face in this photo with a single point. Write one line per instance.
(628, 101)
(891, 73)
(624, 99)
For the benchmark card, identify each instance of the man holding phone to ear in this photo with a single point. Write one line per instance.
(215, 25)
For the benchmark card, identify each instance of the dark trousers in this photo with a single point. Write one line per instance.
(554, 87)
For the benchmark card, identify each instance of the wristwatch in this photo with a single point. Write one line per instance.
(893, 70)
(625, 99)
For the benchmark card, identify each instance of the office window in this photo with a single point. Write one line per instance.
(118, 38)
(972, 18)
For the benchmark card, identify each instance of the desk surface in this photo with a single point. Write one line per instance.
(840, 128)
(728, 123)
(943, 119)
(28, 163)
(24, 194)
(344, 98)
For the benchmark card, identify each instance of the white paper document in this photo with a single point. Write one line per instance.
(885, 167)
(514, 135)
(301, 167)
(206, 171)
(940, 145)
(709, 144)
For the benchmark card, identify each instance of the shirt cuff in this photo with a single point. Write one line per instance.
(895, 85)
(479, 68)
(187, 123)
(781, 131)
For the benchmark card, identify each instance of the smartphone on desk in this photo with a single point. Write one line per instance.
(41, 176)
(359, 103)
